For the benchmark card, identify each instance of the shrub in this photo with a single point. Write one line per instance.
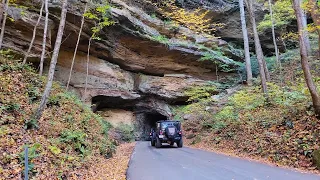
(126, 132)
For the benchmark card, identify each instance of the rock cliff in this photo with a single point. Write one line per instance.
(130, 68)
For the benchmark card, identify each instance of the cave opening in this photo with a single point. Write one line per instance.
(152, 118)
(142, 114)
(146, 121)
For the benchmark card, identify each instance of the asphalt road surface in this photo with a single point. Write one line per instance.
(172, 163)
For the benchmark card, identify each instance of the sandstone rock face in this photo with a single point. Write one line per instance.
(18, 33)
(129, 68)
(105, 79)
(118, 116)
(171, 87)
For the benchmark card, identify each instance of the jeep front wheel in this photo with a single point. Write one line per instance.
(180, 143)
(158, 143)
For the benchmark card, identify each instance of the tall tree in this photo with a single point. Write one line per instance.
(44, 40)
(33, 35)
(88, 60)
(245, 42)
(76, 48)
(305, 31)
(273, 33)
(2, 9)
(315, 14)
(5, 10)
(304, 59)
(53, 61)
(264, 73)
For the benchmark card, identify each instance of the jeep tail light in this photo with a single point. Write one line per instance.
(150, 134)
(180, 132)
(161, 132)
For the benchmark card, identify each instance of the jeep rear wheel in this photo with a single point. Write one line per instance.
(180, 143)
(153, 142)
(158, 143)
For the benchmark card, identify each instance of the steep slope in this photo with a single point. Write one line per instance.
(67, 139)
(282, 130)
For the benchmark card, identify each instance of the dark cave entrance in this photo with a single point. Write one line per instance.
(145, 117)
(152, 118)
(145, 121)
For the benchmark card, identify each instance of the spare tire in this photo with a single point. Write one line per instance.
(171, 131)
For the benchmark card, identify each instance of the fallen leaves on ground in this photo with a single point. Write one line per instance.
(114, 168)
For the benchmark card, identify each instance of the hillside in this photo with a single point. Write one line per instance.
(67, 139)
(282, 129)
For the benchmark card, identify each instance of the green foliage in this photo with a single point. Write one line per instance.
(248, 99)
(54, 100)
(271, 64)
(12, 107)
(55, 150)
(161, 39)
(77, 139)
(33, 93)
(199, 93)
(102, 15)
(33, 152)
(283, 14)
(214, 55)
(126, 132)
(153, 15)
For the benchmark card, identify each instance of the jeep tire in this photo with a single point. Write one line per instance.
(153, 142)
(158, 143)
(180, 143)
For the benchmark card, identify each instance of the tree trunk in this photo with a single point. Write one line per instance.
(315, 14)
(245, 42)
(304, 59)
(273, 33)
(259, 53)
(6, 6)
(305, 31)
(2, 9)
(53, 61)
(88, 60)
(44, 40)
(33, 36)
(76, 48)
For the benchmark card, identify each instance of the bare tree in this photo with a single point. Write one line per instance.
(273, 33)
(53, 61)
(305, 31)
(33, 35)
(2, 9)
(245, 42)
(6, 6)
(264, 73)
(304, 59)
(44, 40)
(76, 48)
(315, 14)
(88, 60)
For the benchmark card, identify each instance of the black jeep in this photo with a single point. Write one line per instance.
(167, 131)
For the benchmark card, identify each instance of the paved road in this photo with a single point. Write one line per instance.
(171, 163)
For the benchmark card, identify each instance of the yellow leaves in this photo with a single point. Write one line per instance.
(113, 168)
(195, 20)
(55, 150)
